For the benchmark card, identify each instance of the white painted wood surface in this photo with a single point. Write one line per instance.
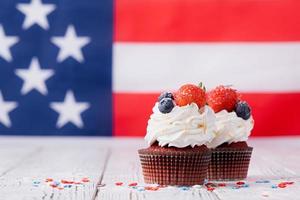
(25, 163)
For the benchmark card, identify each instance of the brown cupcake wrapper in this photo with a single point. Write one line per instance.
(175, 168)
(229, 164)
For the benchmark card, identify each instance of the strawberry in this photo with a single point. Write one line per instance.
(222, 97)
(190, 93)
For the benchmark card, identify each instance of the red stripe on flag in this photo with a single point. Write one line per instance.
(274, 114)
(207, 20)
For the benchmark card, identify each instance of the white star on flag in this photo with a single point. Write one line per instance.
(34, 77)
(69, 110)
(5, 108)
(70, 45)
(35, 13)
(5, 44)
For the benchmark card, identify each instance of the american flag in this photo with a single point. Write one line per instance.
(73, 67)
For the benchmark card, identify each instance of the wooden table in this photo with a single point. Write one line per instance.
(91, 167)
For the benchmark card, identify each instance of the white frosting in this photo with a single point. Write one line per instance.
(183, 126)
(231, 128)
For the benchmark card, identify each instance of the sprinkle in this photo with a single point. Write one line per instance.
(56, 183)
(134, 187)
(53, 185)
(85, 180)
(132, 184)
(140, 189)
(36, 182)
(210, 189)
(67, 182)
(274, 186)
(60, 188)
(118, 183)
(151, 188)
(67, 186)
(262, 181)
(287, 183)
(221, 184)
(281, 185)
(77, 183)
(245, 185)
(49, 180)
(235, 187)
(240, 183)
(184, 188)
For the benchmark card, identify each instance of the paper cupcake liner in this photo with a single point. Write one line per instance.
(174, 168)
(229, 163)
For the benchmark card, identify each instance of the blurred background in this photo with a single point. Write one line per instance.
(95, 68)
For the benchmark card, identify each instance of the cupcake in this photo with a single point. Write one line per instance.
(177, 134)
(230, 152)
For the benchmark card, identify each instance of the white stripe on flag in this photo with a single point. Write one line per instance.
(152, 67)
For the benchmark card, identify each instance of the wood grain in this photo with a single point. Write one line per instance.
(106, 161)
(12, 156)
(57, 159)
(273, 159)
(124, 166)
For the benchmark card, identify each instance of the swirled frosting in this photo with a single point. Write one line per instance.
(231, 128)
(183, 126)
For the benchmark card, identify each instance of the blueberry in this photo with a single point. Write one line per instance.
(243, 110)
(166, 105)
(165, 95)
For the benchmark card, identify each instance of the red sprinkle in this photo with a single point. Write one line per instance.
(60, 188)
(222, 184)
(211, 189)
(49, 180)
(240, 183)
(281, 185)
(85, 180)
(77, 183)
(132, 184)
(118, 183)
(151, 188)
(67, 182)
(53, 185)
(287, 183)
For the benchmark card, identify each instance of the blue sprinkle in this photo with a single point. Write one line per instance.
(36, 182)
(56, 183)
(262, 181)
(235, 188)
(274, 186)
(184, 188)
(140, 189)
(245, 185)
(134, 187)
(67, 186)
